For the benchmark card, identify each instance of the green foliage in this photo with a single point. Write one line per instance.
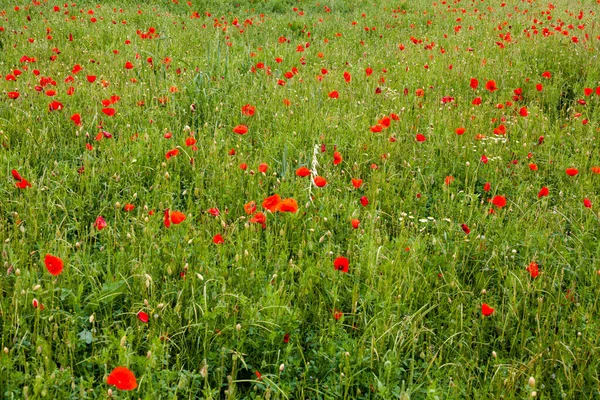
(265, 315)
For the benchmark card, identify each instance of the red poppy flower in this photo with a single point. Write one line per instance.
(271, 203)
(491, 85)
(355, 223)
(23, 184)
(460, 131)
(167, 219)
(54, 265)
(474, 83)
(347, 77)
(476, 101)
(572, 171)
(13, 95)
(337, 314)
(302, 172)
(288, 205)
(341, 264)
(109, 111)
(364, 201)
(214, 212)
(142, 316)
(486, 310)
(240, 129)
(523, 112)
(377, 128)
(190, 141)
(171, 153)
(420, 137)
(500, 130)
(484, 159)
(55, 106)
(357, 183)
(248, 110)
(543, 192)
(487, 187)
(129, 207)
(320, 181)
(76, 118)
(337, 158)
(218, 239)
(286, 338)
(499, 201)
(334, 94)
(587, 203)
(533, 167)
(128, 65)
(263, 167)
(100, 223)
(177, 217)
(16, 175)
(465, 229)
(595, 170)
(250, 207)
(91, 78)
(122, 378)
(546, 74)
(259, 218)
(448, 180)
(533, 270)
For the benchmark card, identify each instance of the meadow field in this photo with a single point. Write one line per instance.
(286, 199)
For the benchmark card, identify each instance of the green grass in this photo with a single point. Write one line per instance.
(412, 325)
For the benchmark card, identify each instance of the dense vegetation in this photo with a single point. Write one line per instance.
(435, 233)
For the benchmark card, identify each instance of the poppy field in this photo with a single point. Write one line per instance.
(288, 199)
